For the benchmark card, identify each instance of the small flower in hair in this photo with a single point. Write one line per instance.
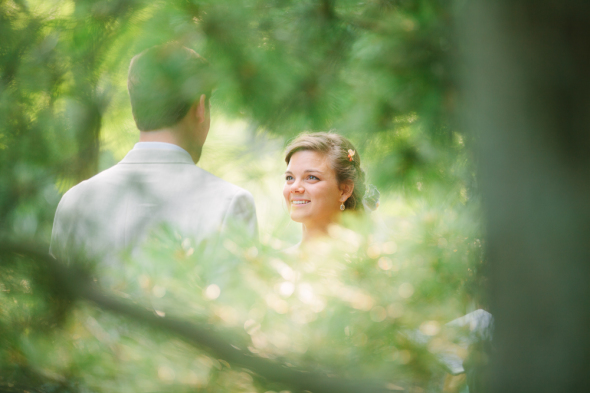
(350, 154)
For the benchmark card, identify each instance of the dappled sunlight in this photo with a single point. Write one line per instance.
(368, 301)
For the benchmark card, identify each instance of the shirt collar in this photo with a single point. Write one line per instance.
(150, 153)
(158, 146)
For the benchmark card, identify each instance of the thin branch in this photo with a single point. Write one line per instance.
(77, 285)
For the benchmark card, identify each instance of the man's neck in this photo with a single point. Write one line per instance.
(165, 135)
(173, 136)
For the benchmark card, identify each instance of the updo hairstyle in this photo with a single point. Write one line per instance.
(335, 147)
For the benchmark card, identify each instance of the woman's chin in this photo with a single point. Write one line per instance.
(295, 216)
(312, 222)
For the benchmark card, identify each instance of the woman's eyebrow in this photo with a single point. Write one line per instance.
(305, 171)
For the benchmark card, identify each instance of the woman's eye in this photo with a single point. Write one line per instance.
(312, 177)
(288, 178)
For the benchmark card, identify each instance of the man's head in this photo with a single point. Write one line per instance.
(169, 87)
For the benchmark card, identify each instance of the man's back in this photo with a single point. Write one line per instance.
(116, 209)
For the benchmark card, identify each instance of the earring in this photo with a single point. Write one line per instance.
(342, 206)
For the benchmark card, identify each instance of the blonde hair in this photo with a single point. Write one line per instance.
(335, 147)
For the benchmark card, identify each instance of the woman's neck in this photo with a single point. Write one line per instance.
(313, 233)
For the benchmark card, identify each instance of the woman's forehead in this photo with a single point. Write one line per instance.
(308, 160)
(309, 156)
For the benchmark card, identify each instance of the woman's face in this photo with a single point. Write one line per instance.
(311, 190)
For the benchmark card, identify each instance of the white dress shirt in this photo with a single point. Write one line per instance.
(156, 184)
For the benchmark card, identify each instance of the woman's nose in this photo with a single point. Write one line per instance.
(296, 187)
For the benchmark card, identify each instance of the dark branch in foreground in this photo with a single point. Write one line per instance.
(77, 285)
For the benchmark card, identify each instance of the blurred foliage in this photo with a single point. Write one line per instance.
(379, 72)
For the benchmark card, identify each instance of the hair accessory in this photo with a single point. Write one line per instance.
(342, 207)
(350, 156)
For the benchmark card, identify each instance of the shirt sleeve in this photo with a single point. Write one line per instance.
(59, 233)
(241, 215)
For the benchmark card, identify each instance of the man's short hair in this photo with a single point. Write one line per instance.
(164, 81)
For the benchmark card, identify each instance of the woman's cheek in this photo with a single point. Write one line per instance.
(286, 196)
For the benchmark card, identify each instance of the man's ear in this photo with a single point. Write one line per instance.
(201, 110)
(346, 189)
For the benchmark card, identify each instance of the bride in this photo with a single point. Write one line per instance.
(323, 179)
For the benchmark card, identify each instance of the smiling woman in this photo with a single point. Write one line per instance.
(323, 178)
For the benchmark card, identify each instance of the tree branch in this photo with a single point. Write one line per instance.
(77, 285)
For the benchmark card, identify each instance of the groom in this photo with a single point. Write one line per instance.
(157, 183)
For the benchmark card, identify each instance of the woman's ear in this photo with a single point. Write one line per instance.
(346, 189)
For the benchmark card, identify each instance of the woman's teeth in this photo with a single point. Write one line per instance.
(299, 202)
